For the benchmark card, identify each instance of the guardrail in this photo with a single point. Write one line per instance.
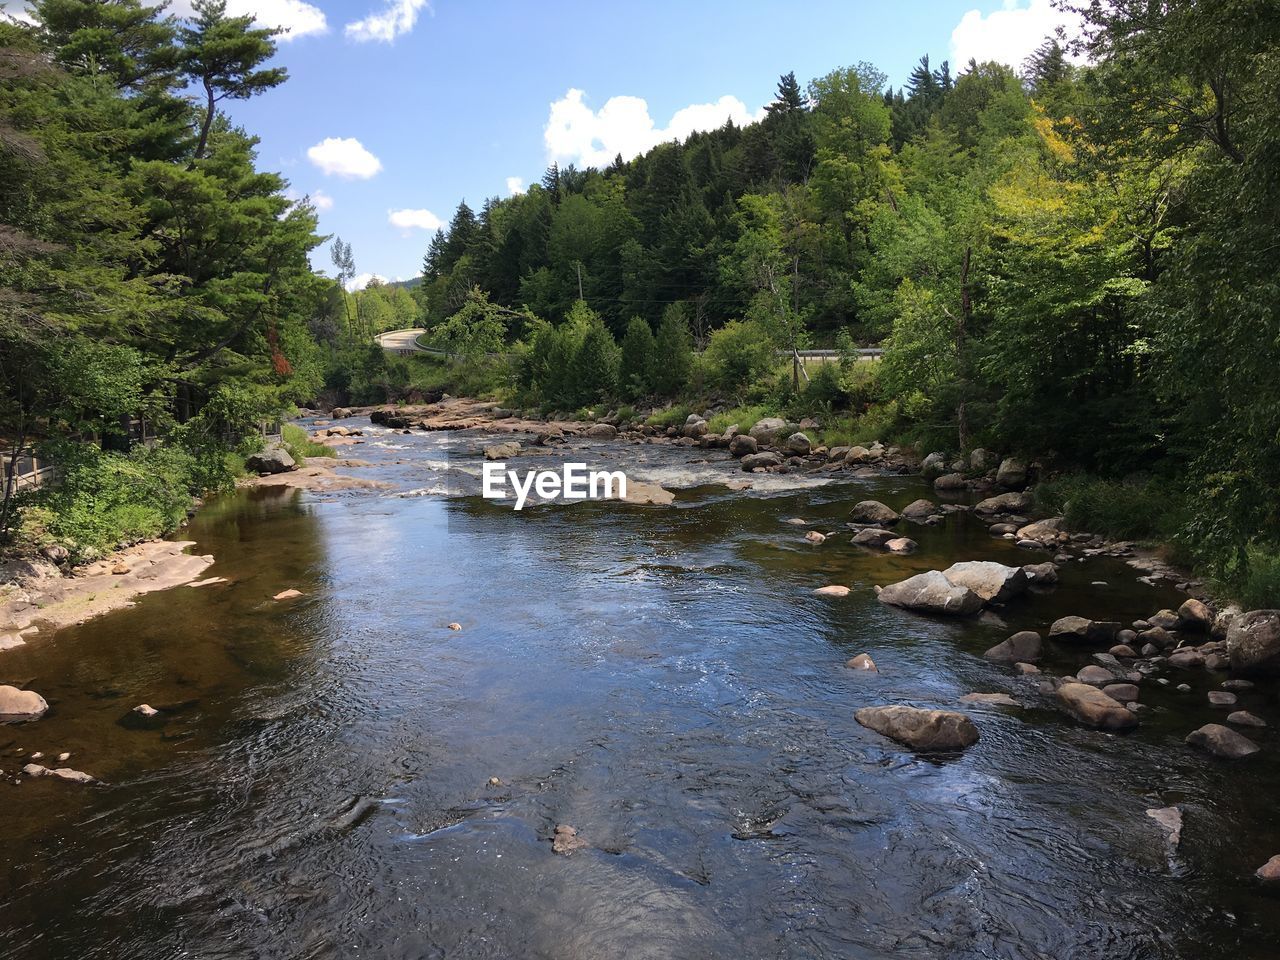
(27, 471)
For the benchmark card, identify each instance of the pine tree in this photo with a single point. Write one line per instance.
(635, 373)
(789, 96)
(673, 351)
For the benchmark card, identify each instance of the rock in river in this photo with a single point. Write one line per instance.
(1222, 742)
(502, 451)
(872, 537)
(753, 460)
(1081, 630)
(1093, 708)
(19, 705)
(1270, 871)
(273, 458)
(932, 592)
(766, 430)
(566, 840)
(1253, 643)
(1170, 821)
(831, 590)
(862, 662)
(1005, 503)
(62, 773)
(993, 582)
(743, 445)
(920, 729)
(919, 509)
(873, 511)
(1022, 647)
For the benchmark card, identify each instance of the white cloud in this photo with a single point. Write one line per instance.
(408, 220)
(592, 138)
(362, 280)
(295, 17)
(397, 17)
(515, 185)
(1008, 35)
(344, 157)
(17, 13)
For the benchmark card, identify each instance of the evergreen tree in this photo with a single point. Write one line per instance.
(673, 351)
(639, 356)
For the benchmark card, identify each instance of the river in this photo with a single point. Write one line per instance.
(342, 775)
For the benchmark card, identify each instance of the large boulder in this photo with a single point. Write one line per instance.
(980, 460)
(694, 427)
(601, 431)
(950, 482)
(1013, 502)
(857, 454)
(1022, 647)
(919, 729)
(273, 458)
(1195, 615)
(799, 444)
(743, 445)
(1222, 742)
(933, 465)
(873, 511)
(993, 582)
(767, 430)
(1093, 708)
(1253, 643)
(931, 592)
(1012, 473)
(20, 705)
(1041, 574)
(766, 459)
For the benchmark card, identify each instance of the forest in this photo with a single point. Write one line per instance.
(1074, 260)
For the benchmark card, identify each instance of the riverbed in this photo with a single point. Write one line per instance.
(341, 774)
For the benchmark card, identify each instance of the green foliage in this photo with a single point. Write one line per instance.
(673, 348)
(105, 499)
(739, 354)
(1142, 509)
(300, 445)
(637, 368)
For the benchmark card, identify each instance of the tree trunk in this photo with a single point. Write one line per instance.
(208, 120)
(962, 332)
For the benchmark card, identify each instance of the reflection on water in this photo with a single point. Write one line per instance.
(664, 681)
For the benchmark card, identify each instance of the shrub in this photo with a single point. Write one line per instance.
(739, 354)
(300, 445)
(1136, 509)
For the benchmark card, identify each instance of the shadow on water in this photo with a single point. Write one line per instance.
(664, 681)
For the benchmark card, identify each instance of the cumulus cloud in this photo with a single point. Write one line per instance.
(16, 13)
(295, 17)
(592, 138)
(397, 17)
(362, 280)
(408, 220)
(1008, 35)
(515, 185)
(344, 157)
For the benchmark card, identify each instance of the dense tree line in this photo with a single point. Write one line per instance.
(1074, 262)
(148, 268)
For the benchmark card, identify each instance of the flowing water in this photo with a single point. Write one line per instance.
(663, 680)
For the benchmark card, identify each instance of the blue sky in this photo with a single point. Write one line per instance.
(453, 97)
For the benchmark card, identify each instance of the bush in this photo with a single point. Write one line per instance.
(1258, 585)
(739, 354)
(300, 445)
(1140, 509)
(106, 499)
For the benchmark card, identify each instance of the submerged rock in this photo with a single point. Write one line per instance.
(566, 840)
(993, 582)
(832, 590)
(1222, 742)
(21, 705)
(1170, 821)
(995, 699)
(62, 773)
(919, 729)
(932, 592)
(1093, 708)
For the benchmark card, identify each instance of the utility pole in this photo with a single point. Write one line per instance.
(578, 264)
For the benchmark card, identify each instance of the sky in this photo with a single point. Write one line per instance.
(395, 110)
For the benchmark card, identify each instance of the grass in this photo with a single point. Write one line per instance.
(744, 417)
(300, 445)
(671, 417)
(1144, 510)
